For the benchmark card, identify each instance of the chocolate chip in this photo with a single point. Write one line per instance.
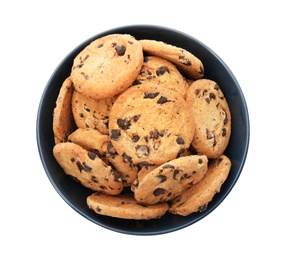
(175, 173)
(136, 82)
(223, 132)
(100, 45)
(115, 134)
(202, 208)
(180, 140)
(135, 138)
(162, 100)
(126, 158)
(162, 70)
(151, 95)
(155, 134)
(162, 178)
(168, 166)
(212, 96)
(87, 168)
(123, 123)
(185, 61)
(80, 166)
(201, 70)
(142, 151)
(117, 176)
(159, 191)
(180, 153)
(92, 155)
(120, 49)
(200, 161)
(135, 118)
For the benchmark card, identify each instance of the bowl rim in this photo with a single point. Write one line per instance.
(147, 27)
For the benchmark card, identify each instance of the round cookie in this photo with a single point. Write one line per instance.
(170, 179)
(94, 141)
(212, 118)
(107, 66)
(63, 120)
(197, 197)
(86, 167)
(124, 206)
(187, 63)
(91, 113)
(150, 125)
(161, 72)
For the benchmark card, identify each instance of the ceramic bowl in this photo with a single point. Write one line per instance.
(75, 195)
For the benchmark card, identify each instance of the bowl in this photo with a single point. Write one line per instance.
(75, 195)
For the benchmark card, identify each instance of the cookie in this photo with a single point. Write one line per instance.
(150, 124)
(187, 63)
(63, 120)
(107, 66)
(197, 197)
(161, 72)
(87, 168)
(91, 140)
(91, 113)
(170, 179)
(212, 117)
(124, 206)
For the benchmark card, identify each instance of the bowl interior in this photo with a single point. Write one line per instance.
(75, 195)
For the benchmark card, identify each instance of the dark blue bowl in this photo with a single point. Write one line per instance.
(75, 195)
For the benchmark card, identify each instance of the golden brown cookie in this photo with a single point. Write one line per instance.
(170, 179)
(91, 113)
(187, 63)
(212, 117)
(197, 197)
(86, 167)
(151, 124)
(107, 66)
(124, 206)
(161, 72)
(90, 139)
(63, 120)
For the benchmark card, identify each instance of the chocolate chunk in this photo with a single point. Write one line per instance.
(162, 178)
(180, 140)
(126, 158)
(87, 168)
(168, 166)
(185, 61)
(159, 191)
(163, 100)
(120, 49)
(115, 134)
(175, 173)
(142, 151)
(136, 82)
(80, 166)
(162, 70)
(151, 95)
(223, 132)
(135, 118)
(202, 208)
(212, 96)
(117, 176)
(92, 155)
(135, 138)
(123, 123)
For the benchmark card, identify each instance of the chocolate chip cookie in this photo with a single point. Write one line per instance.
(187, 62)
(170, 179)
(63, 120)
(87, 168)
(212, 117)
(124, 206)
(107, 66)
(197, 197)
(150, 125)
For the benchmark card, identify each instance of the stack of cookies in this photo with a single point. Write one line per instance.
(136, 123)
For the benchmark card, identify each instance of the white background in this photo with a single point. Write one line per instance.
(252, 37)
